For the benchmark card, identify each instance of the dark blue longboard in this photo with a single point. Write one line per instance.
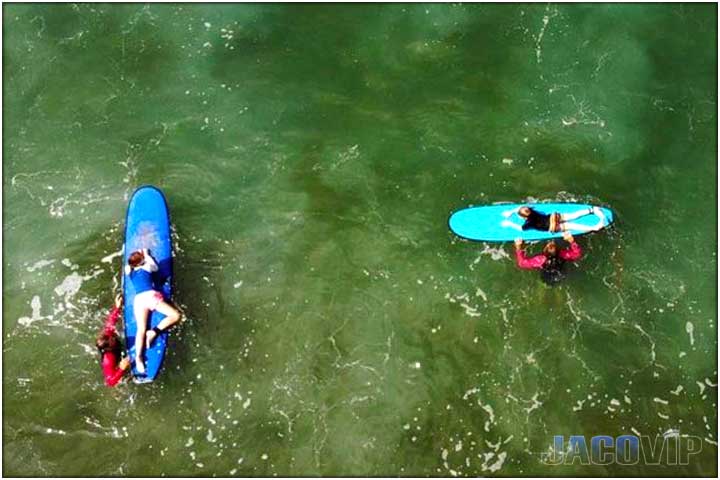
(486, 223)
(147, 225)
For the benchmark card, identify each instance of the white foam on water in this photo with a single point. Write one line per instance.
(690, 329)
(36, 306)
(66, 262)
(109, 258)
(650, 339)
(472, 391)
(491, 413)
(496, 253)
(536, 404)
(497, 465)
(538, 49)
(470, 311)
(69, 286)
(40, 264)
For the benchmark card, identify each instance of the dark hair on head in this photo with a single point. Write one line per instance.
(550, 249)
(107, 342)
(136, 258)
(524, 209)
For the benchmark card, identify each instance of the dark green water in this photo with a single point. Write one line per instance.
(311, 156)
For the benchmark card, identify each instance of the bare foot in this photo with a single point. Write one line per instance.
(140, 366)
(149, 337)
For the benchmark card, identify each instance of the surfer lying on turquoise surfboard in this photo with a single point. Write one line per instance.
(554, 222)
(552, 259)
(140, 267)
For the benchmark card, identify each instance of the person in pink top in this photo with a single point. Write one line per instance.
(550, 262)
(110, 348)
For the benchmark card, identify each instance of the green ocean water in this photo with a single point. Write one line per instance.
(311, 156)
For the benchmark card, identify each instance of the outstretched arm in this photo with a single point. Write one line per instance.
(150, 265)
(508, 213)
(524, 262)
(574, 252)
(509, 224)
(532, 263)
(114, 314)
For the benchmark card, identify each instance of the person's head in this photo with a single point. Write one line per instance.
(550, 249)
(524, 212)
(136, 259)
(107, 342)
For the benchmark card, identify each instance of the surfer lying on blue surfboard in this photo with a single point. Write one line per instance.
(140, 268)
(553, 222)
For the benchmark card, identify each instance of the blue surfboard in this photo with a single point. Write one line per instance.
(489, 224)
(147, 225)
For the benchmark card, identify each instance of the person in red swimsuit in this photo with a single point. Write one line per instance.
(109, 345)
(550, 261)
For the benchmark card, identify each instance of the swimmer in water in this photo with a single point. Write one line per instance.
(554, 222)
(140, 268)
(110, 348)
(552, 259)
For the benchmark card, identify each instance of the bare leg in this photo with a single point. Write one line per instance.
(171, 318)
(584, 228)
(509, 224)
(141, 317)
(565, 217)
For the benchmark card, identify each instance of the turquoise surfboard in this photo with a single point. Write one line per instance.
(147, 225)
(488, 224)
